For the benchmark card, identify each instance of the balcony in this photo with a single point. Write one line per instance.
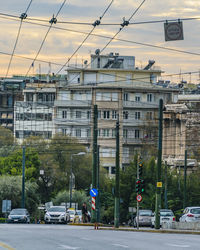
(72, 122)
(143, 105)
(72, 103)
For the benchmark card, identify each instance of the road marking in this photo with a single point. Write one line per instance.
(176, 245)
(84, 238)
(69, 247)
(6, 246)
(119, 245)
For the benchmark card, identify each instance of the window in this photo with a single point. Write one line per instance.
(125, 133)
(114, 114)
(105, 132)
(112, 170)
(106, 96)
(149, 115)
(114, 97)
(137, 133)
(88, 115)
(99, 132)
(106, 114)
(78, 132)
(137, 98)
(64, 114)
(88, 133)
(113, 133)
(98, 96)
(126, 97)
(78, 114)
(125, 114)
(137, 115)
(99, 114)
(149, 97)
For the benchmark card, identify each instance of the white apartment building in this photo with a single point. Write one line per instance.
(118, 88)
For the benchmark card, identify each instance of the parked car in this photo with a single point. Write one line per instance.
(56, 214)
(19, 215)
(78, 216)
(71, 212)
(190, 214)
(166, 215)
(144, 218)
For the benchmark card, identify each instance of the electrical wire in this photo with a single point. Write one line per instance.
(23, 16)
(44, 39)
(84, 40)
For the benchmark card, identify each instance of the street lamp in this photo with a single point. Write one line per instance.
(70, 195)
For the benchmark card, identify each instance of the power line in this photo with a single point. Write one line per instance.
(22, 17)
(52, 21)
(96, 23)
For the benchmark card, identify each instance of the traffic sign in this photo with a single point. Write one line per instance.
(139, 198)
(159, 184)
(93, 192)
(173, 31)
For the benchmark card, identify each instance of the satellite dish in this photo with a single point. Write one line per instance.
(97, 51)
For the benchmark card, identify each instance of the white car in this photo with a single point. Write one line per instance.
(190, 214)
(56, 214)
(166, 215)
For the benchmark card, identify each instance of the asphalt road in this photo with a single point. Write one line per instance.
(53, 237)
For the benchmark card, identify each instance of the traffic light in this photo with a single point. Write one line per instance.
(140, 169)
(137, 185)
(142, 186)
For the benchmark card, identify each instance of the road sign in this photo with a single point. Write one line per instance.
(159, 184)
(139, 198)
(173, 31)
(93, 192)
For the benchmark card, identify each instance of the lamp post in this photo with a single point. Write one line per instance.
(71, 175)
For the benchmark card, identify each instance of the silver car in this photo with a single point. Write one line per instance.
(56, 214)
(166, 215)
(144, 218)
(19, 215)
(190, 214)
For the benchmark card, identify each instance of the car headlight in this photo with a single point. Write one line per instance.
(47, 214)
(9, 217)
(62, 215)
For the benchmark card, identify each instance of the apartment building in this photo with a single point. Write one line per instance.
(119, 89)
(34, 115)
(10, 91)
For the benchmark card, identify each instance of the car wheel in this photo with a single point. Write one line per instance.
(152, 226)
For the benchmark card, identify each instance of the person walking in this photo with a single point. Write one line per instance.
(84, 213)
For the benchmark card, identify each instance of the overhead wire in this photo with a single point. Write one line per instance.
(22, 17)
(52, 21)
(96, 23)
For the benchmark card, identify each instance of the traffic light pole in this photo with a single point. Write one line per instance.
(159, 183)
(23, 176)
(116, 215)
(185, 180)
(95, 158)
(138, 193)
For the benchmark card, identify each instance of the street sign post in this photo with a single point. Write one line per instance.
(6, 206)
(139, 198)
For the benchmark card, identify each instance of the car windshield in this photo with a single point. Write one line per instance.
(145, 213)
(195, 211)
(18, 212)
(71, 211)
(56, 209)
(166, 213)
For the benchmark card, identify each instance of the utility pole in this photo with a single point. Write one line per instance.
(138, 207)
(98, 196)
(70, 181)
(166, 205)
(95, 158)
(159, 163)
(23, 176)
(185, 181)
(117, 192)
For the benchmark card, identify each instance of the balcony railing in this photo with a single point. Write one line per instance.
(132, 104)
(72, 103)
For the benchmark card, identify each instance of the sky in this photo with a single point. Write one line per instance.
(63, 39)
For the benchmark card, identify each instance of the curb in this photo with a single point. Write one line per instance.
(151, 231)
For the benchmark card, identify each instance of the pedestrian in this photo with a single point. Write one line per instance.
(84, 213)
